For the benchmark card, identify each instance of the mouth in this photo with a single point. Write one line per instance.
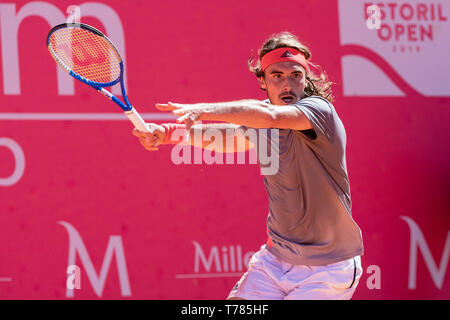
(288, 99)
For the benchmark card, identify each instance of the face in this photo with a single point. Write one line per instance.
(285, 82)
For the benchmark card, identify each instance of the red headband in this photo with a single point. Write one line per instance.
(281, 55)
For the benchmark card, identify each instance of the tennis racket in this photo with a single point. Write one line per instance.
(90, 57)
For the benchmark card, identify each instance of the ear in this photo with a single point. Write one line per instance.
(262, 83)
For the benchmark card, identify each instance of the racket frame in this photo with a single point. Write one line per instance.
(129, 110)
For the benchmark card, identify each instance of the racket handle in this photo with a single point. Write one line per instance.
(137, 120)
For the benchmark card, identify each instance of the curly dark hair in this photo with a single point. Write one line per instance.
(315, 86)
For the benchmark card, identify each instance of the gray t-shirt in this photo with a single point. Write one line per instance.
(309, 219)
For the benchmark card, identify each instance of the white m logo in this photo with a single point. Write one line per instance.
(98, 281)
(9, 27)
(417, 241)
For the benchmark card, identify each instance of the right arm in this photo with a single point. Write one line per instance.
(231, 139)
(200, 135)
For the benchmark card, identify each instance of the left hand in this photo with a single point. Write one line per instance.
(187, 113)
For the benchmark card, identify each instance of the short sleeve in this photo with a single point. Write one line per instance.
(320, 113)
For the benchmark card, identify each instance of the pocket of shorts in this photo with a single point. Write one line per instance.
(354, 274)
(357, 271)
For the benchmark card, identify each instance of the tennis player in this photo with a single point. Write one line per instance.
(314, 246)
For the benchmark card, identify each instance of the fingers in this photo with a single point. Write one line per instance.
(156, 141)
(185, 112)
(188, 117)
(151, 148)
(136, 132)
(181, 112)
(148, 140)
(164, 107)
(185, 118)
(168, 107)
(189, 124)
(149, 133)
(150, 144)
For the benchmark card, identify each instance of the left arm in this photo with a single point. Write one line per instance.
(250, 113)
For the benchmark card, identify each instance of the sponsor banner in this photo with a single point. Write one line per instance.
(391, 47)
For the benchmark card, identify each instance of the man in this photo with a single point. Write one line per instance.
(314, 246)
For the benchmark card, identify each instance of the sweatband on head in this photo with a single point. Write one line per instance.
(281, 55)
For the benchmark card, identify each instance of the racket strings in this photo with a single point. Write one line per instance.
(85, 53)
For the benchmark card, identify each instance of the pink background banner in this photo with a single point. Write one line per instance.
(77, 188)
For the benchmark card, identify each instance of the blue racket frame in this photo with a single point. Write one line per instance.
(100, 88)
(97, 85)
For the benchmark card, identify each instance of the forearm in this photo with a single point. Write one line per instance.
(220, 137)
(250, 113)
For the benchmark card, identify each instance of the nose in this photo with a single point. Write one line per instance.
(286, 85)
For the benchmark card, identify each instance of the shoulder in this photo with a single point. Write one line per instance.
(321, 114)
(317, 102)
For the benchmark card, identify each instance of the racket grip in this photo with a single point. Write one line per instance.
(137, 120)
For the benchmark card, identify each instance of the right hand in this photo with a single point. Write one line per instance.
(151, 139)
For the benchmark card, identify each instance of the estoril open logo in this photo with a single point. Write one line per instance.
(395, 48)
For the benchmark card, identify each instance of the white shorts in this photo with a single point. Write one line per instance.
(269, 278)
